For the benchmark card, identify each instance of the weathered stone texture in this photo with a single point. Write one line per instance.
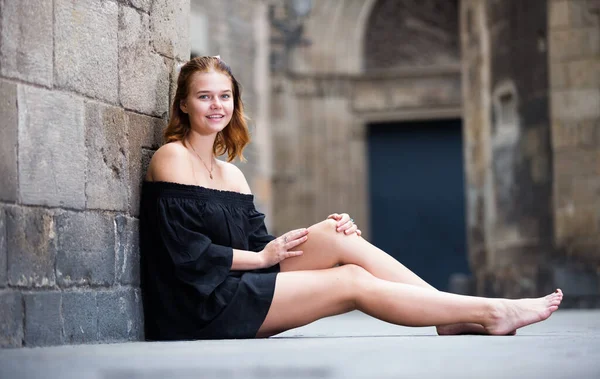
(576, 104)
(31, 241)
(128, 251)
(80, 317)
(3, 249)
(143, 5)
(574, 43)
(8, 141)
(86, 51)
(86, 249)
(169, 24)
(43, 321)
(11, 319)
(430, 26)
(120, 315)
(574, 47)
(144, 133)
(144, 75)
(106, 143)
(26, 41)
(51, 148)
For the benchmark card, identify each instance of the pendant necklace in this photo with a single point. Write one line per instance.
(205, 166)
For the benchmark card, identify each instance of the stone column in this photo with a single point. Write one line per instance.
(84, 96)
(508, 150)
(574, 64)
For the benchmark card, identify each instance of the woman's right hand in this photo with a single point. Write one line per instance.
(279, 249)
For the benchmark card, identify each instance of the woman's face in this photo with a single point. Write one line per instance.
(209, 103)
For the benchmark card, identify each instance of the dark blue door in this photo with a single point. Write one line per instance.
(417, 196)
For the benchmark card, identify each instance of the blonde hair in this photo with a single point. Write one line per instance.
(235, 136)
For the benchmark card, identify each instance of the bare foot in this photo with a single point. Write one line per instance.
(465, 328)
(510, 315)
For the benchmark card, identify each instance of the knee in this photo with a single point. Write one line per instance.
(325, 226)
(355, 276)
(355, 279)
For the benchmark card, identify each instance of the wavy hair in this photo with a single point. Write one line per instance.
(235, 136)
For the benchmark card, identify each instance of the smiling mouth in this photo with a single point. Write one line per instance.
(215, 117)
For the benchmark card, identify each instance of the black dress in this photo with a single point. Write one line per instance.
(187, 237)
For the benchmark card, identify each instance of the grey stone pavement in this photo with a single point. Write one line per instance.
(348, 346)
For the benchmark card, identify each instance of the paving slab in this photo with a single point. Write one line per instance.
(347, 346)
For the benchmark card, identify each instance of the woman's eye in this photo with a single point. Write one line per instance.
(226, 96)
(203, 97)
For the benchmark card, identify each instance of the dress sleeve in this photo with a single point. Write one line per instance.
(197, 260)
(258, 237)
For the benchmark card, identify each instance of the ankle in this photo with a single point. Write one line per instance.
(494, 311)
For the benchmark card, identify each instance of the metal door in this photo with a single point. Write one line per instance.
(417, 196)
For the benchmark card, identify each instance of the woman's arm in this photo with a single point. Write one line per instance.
(246, 260)
(275, 251)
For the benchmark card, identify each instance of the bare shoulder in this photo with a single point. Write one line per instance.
(235, 177)
(171, 163)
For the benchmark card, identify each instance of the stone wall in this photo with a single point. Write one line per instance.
(412, 34)
(574, 64)
(530, 79)
(84, 95)
(574, 47)
(520, 219)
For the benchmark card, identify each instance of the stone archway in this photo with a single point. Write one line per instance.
(322, 103)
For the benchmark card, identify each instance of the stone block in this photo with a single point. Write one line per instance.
(128, 250)
(584, 73)
(558, 13)
(573, 163)
(51, 148)
(586, 191)
(31, 242)
(106, 143)
(144, 75)
(169, 23)
(11, 319)
(120, 315)
(26, 41)
(568, 44)
(576, 133)
(8, 141)
(575, 222)
(43, 322)
(80, 317)
(559, 78)
(145, 134)
(580, 14)
(576, 104)
(3, 249)
(85, 47)
(86, 249)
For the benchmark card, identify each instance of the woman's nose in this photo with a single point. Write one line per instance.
(216, 103)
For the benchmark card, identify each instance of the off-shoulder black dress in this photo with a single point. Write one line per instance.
(187, 237)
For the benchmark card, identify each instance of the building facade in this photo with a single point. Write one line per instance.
(463, 137)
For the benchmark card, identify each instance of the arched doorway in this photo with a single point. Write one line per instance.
(415, 157)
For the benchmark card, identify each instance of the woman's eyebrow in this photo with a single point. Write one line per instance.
(206, 91)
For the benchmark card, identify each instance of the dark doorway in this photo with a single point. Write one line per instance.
(417, 196)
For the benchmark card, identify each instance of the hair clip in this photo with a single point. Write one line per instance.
(217, 56)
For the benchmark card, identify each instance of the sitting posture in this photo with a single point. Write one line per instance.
(210, 270)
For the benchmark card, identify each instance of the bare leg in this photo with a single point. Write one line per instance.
(302, 297)
(325, 249)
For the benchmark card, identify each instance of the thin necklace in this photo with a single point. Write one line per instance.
(211, 162)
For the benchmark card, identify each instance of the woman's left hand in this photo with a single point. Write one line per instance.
(345, 224)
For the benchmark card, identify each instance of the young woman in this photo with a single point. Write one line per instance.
(211, 270)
